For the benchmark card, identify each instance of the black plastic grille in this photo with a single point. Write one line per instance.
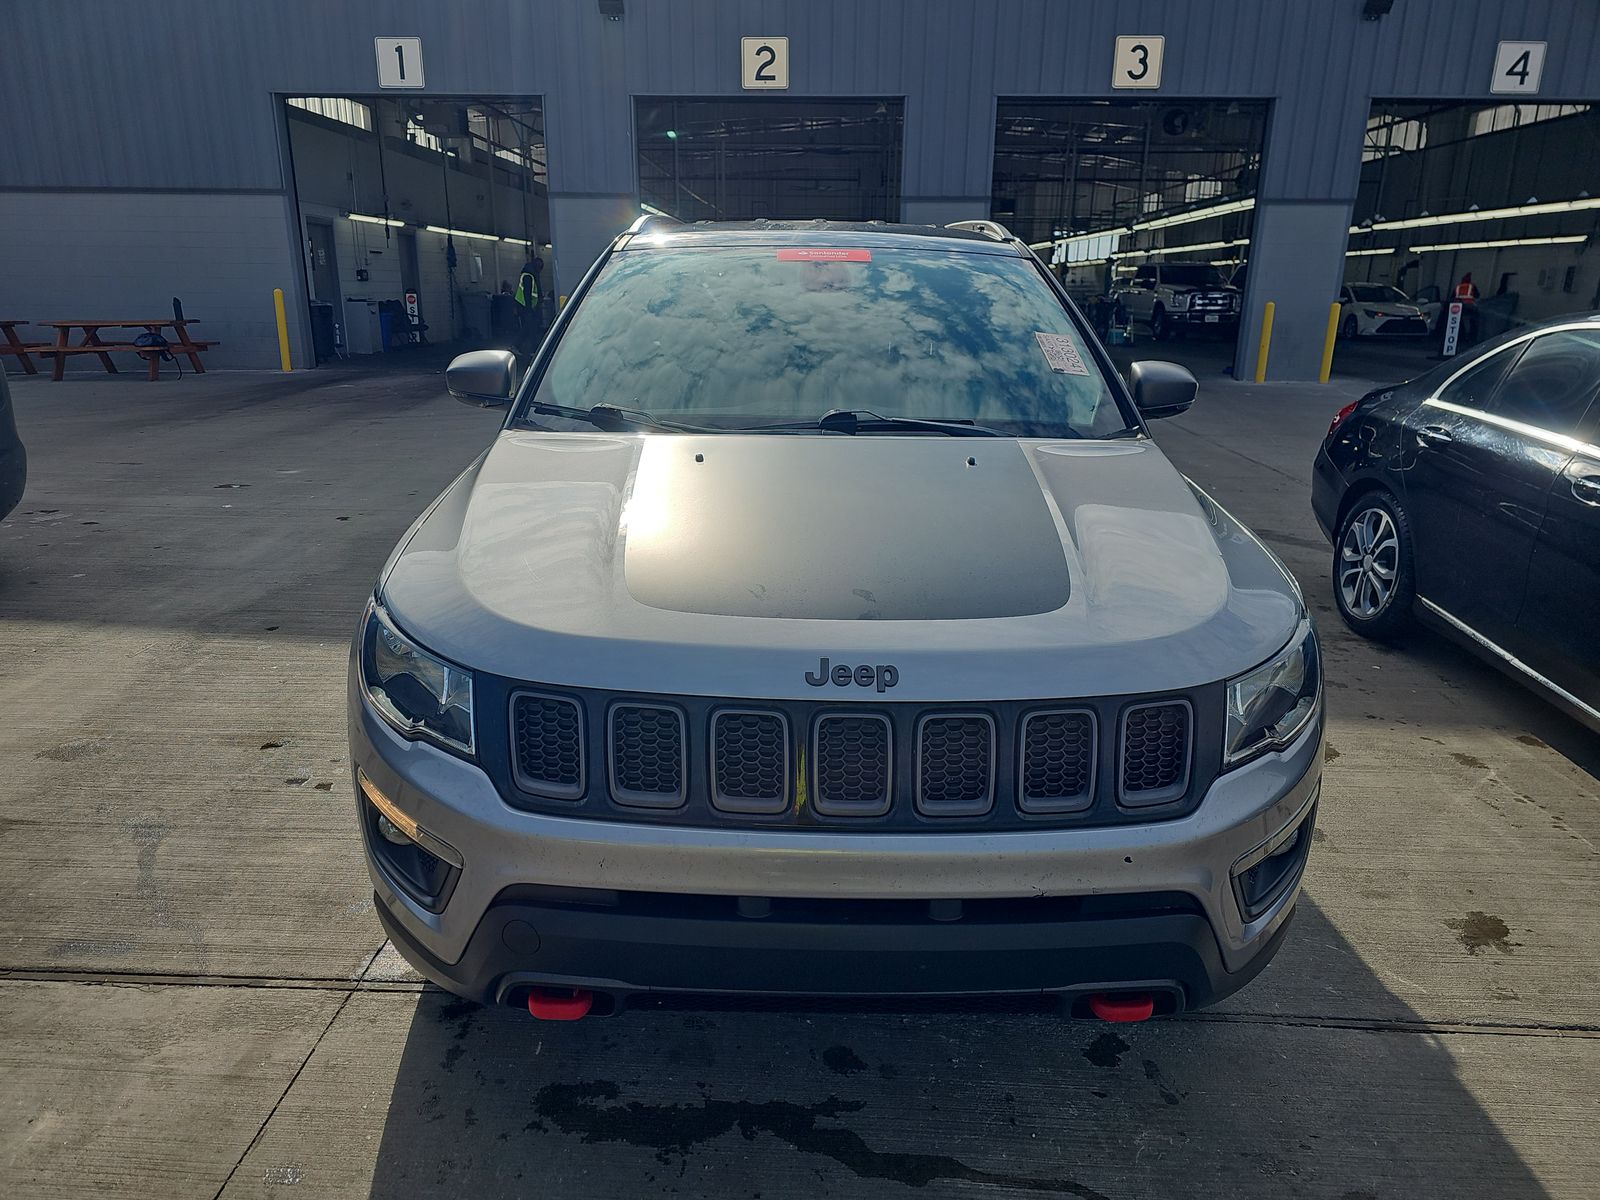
(955, 764)
(1057, 761)
(1155, 752)
(750, 762)
(547, 745)
(647, 755)
(852, 765)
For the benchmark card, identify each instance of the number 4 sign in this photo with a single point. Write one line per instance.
(1517, 67)
(399, 62)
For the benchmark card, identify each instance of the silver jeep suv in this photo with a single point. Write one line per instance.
(824, 620)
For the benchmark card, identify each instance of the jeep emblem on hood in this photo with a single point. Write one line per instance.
(883, 676)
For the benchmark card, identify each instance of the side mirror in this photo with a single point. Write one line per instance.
(1161, 389)
(482, 377)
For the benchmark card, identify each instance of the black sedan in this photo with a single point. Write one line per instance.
(1469, 498)
(13, 458)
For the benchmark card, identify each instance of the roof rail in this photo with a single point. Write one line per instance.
(645, 220)
(991, 229)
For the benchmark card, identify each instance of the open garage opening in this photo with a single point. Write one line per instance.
(1485, 204)
(420, 220)
(748, 159)
(1143, 209)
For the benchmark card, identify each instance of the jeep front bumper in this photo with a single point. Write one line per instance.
(627, 908)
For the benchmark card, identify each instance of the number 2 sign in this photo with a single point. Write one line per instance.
(399, 62)
(1137, 62)
(764, 63)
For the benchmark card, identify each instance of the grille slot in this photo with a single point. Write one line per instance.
(647, 757)
(1155, 752)
(547, 745)
(1057, 761)
(750, 761)
(852, 764)
(955, 764)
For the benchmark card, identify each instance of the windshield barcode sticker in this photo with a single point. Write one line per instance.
(1061, 352)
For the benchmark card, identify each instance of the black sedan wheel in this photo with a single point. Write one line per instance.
(1374, 579)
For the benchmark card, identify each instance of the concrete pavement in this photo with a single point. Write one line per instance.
(195, 999)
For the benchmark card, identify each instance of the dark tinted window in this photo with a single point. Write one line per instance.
(1473, 387)
(1553, 381)
(1145, 277)
(746, 335)
(1192, 275)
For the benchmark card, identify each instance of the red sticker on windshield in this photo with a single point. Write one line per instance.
(825, 254)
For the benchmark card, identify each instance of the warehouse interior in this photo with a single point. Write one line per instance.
(749, 158)
(1494, 200)
(416, 216)
(1105, 188)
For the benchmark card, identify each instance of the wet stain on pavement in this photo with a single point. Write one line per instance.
(1479, 931)
(590, 1111)
(1527, 739)
(1152, 1072)
(1106, 1050)
(1468, 760)
(842, 1060)
(1329, 754)
(74, 751)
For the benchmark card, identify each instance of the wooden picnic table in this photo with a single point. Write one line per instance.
(19, 348)
(92, 343)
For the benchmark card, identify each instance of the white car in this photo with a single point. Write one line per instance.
(1376, 309)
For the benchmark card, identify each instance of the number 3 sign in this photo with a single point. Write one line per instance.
(1137, 62)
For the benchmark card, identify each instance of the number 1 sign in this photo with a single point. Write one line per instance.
(399, 62)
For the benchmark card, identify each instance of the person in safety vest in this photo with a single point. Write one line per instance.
(527, 298)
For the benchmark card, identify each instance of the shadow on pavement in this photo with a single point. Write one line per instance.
(491, 1103)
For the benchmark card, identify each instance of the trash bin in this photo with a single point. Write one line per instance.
(323, 341)
(385, 331)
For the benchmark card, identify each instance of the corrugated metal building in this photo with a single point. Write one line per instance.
(147, 152)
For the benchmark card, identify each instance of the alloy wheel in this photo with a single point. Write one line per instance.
(1369, 563)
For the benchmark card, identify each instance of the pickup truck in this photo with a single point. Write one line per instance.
(1172, 298)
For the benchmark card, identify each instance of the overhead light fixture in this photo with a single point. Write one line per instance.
(1495, 245)
(1193, 247)
(466, 233)
(1484, 214)
(366, 220)
(517, 241)
(1197, 214)
(672, 135)
(1379, 250)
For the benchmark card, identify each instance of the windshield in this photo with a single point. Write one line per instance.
(732, 337)
(1192, 275)
(1377, 293)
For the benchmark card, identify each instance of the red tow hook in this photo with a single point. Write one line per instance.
(559, 1005)
(1123, 1008)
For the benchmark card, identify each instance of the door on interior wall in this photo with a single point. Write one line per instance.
(324, 263)
(327, 312)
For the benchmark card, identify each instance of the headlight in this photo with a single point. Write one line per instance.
(1180, 301)
(420, 695)
(1269, 707)
(1372, 313)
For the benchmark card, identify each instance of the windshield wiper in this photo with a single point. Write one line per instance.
(612, 418)
(857, 420)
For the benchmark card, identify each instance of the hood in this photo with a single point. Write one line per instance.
(732, 565)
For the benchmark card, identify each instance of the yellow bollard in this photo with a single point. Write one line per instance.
(283, 329)
(1266, 341)
(1327, 343)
